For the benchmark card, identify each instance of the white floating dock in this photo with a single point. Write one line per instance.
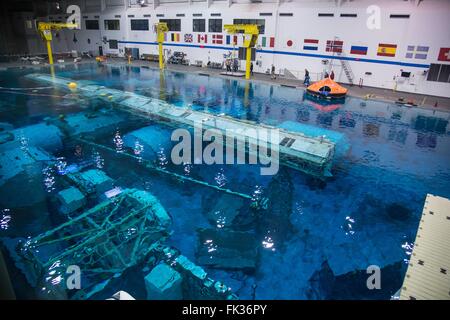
(233, 74)
(428, 274)
(307, 154)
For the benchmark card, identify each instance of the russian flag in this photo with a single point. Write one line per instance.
(310, 44)
(359, 50)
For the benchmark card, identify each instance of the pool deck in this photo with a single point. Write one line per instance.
(369, 93)
(428, 274)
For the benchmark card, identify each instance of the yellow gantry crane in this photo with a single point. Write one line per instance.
(161, 28)
(45, 29)
(251, 32)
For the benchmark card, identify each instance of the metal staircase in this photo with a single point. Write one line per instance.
(344, 63)
(346, 67)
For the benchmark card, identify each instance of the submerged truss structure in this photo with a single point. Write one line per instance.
(103, 241)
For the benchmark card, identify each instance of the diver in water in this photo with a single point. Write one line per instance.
(78, 151)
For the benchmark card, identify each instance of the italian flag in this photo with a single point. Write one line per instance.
(268, 42)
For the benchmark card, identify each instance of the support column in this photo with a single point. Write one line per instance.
(49, 51)
(248, 61)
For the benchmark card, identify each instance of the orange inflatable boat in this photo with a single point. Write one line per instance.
(327, 89)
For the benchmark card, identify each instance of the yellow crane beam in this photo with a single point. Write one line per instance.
(45, 30)
(251, 32)
(161, 28)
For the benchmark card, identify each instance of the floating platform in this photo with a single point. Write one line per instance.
(310, 155)
(428, 274)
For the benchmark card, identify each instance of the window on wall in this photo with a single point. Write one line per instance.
(439, 73)
(92, 25)
(260, 22)
(139, 24)
(113, 44)
(172, 24)
(215, 25)
(112, 24)
(399, 16)
(198, 25)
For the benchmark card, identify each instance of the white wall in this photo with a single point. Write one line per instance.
(428, 25)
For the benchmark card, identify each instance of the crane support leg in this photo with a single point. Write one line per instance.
(248, 61)
(161, 56)
(49, 52)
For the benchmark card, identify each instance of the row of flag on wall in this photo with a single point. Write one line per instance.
(203, 38)
(383, 50)
(332, 46)
(268, 42)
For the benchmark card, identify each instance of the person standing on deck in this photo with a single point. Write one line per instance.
(228, 65)
(273, 72)
(251, 68)
(306, 82)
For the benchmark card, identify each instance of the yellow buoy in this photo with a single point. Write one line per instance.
(72, 85)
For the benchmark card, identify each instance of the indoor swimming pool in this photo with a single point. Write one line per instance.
(306, 237)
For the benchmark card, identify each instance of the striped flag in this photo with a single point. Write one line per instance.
(311, 44)
(270, 43)
(231, 40)
(334, 46)
(175, 37)
(361, 50)
(217, 39)
(417, 52)
(202, 38)
(386, 50)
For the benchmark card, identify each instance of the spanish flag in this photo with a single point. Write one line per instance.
(386, 50)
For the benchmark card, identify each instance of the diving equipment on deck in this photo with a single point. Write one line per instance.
(310, 155)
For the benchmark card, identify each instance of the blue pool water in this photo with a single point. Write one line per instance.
(317, 237)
